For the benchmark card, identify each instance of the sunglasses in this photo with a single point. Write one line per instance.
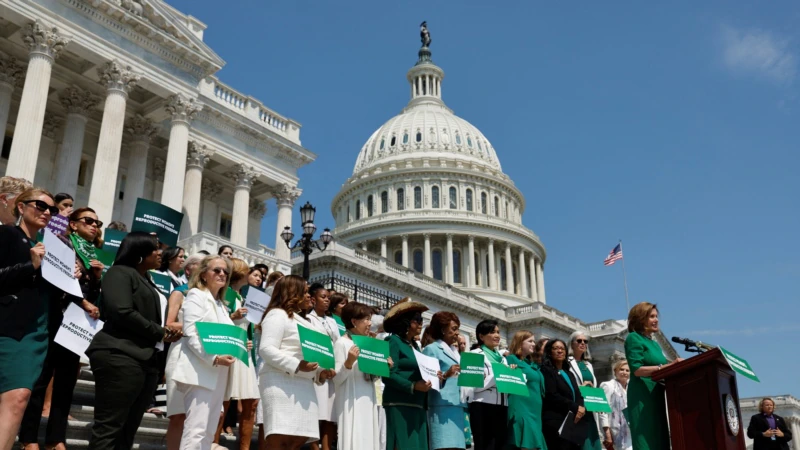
(42, 206)
(219, 270)
(582, 341)
(90, 221)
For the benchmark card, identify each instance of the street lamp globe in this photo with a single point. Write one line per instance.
(326, 237)
(307, 213)
(287, 235)
(309, 228)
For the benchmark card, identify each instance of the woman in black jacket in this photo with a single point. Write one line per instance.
(767, 429)
(562, 396)
(124, 353)
(23, 311)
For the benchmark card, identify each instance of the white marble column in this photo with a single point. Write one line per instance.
(78, 104)
(10, 74)
(139, 132)
(44, 44)
(492, 272)
(383, 247)
(450, 271)
(405, 250)
(182, 111)
(523, 276)
(285, 196)
(509, 270)
(534, 289)
(118, 80)
(471, 281)
(244, 177)
(427, 266)
(540, 281)
(196, 161)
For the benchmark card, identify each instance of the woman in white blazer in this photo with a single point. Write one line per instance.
(582, 369)
(286, 381)
(614, 424)
(488, 409)
(201, 377)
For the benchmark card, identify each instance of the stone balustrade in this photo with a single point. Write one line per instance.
(211, 243)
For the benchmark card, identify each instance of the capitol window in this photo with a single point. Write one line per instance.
(469, 199)
(419, 136)
(497, 206)
(453, 198)
(417, 197)
(398, 257)
(369, 206)
(514, 276)
(437, 264)
(435, 197)
(405, 138)
(418, 260)
(383, 141)
(483, 202)
(384, 202)
(456, 267)
(478, 280)
(393, 141)
(503, 284)
(358, 209)
(348, 213)
(225, 225)
(458, 139)
(401, 199)
(469, 142)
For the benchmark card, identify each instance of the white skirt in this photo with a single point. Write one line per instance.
(289, 405)
(242, 383)
(174, 396)
(325, 400)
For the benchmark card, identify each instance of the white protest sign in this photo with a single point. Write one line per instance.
(429, 368)
(58, 265)
(256, 303)
(77, 330)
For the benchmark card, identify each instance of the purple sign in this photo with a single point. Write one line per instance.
(58, 225)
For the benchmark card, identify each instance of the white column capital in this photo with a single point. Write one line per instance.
(118, 78)
(490, 242)
(383, 239)
(404, 237)
(427, 236)
(78, 101)
(11, 72)
(140, 128)
(210, 189)
(257, 208)
(286, 195)
(182, 109)
(43, 40)
(471, 239)
(244, 176)
(50, 125)
(199, 155)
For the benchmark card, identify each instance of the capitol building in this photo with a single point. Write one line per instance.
(115, 100)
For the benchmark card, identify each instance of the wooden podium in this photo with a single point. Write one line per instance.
(703, 404)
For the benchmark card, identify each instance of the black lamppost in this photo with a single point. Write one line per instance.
(306, 243)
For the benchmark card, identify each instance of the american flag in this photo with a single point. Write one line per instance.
(614, 256)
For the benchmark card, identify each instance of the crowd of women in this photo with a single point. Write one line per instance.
(148, 340)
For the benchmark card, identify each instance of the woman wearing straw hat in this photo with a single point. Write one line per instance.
(405, 395)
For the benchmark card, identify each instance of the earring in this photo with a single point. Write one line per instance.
(140, 260)
(19, 220)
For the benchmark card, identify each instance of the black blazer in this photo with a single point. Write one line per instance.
(131, 310)
(759, 424)
(21, 305)
(558, 397)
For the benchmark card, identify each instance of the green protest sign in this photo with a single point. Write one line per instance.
(594, 399)
(509, 381)
(471, 370)
(739, 365)
(340, 324)
(162, 282)
(372, 358)
(317, 347)
(105, 257)
(112, 239)
(223, 339)
(152, 217)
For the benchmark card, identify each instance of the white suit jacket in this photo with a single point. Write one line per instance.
(599, 418)
(194, 366)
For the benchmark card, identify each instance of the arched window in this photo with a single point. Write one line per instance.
(398, 257)
(417, 197)
(469, 142)
(383, 142)
(418, 260)
(393, 141)
(405, 138)
(469, 199)
(456, 266)
(483, 202)
(419, 136)
(435, 196)
(369, 206)
(358, 209)
(401, 199)
(437, 264)
(348, 213)
(384, 202)
(497, 206)
(458, 139)
(514, 276)
(453, 198)
(503, 284)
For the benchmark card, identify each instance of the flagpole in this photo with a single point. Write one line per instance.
(624, 278)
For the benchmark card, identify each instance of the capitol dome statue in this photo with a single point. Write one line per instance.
(428, 192)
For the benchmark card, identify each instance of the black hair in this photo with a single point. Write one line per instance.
(168, 255)
(221, 249)
(260, 266)
(312, 290)
(484, 327)
(134, 247)
(204, 252)
(547, 354)
(61, 196)
(117, 225)
(399, 325)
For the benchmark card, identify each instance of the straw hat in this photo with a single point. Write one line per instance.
(402, 307)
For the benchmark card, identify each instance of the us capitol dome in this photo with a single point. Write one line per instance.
(428, 192)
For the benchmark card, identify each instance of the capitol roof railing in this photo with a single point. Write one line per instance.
(224, 95)
(211, 243)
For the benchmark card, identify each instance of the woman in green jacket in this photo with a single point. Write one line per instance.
(525, 413)
(405, 395)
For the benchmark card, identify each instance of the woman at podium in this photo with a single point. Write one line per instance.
(647, 410)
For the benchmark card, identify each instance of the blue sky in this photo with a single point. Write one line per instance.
(674, 128)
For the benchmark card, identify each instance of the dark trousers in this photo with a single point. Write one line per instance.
(124, 388)
(61, 365)
(489, 426)
(554, 441)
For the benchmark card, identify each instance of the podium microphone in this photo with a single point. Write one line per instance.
(684, 341)
(690, 345)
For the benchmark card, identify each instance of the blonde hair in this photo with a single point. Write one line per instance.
(198, 282)
(28, 195)
(239, 270)
(618, 365)
(12, 186)
(516, 343)
(761, 404)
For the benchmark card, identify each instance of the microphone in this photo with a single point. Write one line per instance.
(684, 341)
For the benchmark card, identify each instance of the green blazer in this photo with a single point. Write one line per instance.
(399, 385)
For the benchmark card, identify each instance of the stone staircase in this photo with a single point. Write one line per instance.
(151, 435)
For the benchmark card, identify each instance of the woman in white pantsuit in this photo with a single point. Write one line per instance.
(200, 377)
(286, 381)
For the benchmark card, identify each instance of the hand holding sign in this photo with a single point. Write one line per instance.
(429, 368)
(373, 356)
(58, 265)
(256, 303)
(316, 347)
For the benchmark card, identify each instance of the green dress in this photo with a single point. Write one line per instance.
(406, 416)
(525, 413)
(647, 410)
(593, 441)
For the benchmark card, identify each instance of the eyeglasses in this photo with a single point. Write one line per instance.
(219, 270)
(90, 221)
(42, 206)
(582, 341)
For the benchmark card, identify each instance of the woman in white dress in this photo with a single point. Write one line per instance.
(200, 377)
(355, 407)
(290, 404)
(325, 392)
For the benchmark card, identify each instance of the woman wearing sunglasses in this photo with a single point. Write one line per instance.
(582, 369)
(61, 365)
(23, 311)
